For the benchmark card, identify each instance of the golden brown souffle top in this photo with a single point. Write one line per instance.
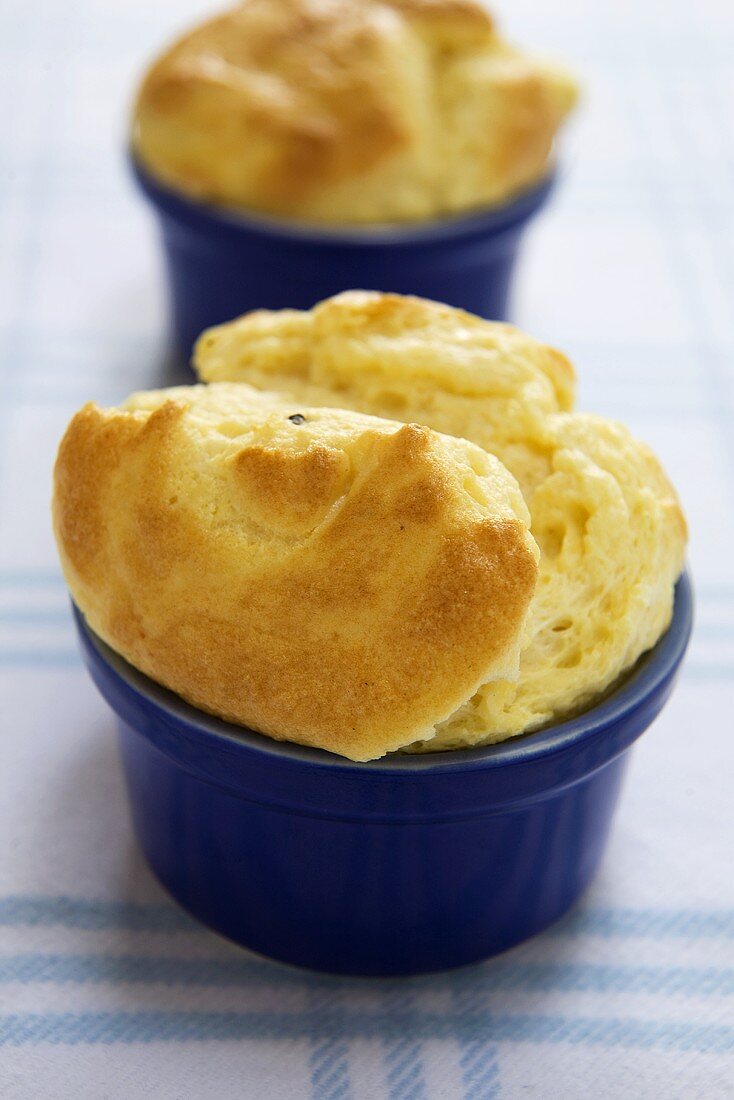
(327, 578)
(378, 524)
(349, 111)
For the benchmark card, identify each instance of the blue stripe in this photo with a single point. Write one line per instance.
(499, 976)
(404, 1069)
(329, 1054)
(71, 1029)
(36, 614)
(403, 1055)
(40, 658)
(329, 1065)
(689, 924)
(93, 914)
(480, 1070)
(31, 577)
(478, 1055)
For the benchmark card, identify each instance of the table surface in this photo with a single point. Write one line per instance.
(106, 990)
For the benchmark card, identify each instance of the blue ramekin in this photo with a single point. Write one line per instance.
(400, 866)
(222, 263)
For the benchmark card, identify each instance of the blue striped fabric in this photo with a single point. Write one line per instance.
(172, 970)
(477, 1032)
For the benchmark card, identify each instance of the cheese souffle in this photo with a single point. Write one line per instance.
(350, 111)
(377, 525)
(318, 575)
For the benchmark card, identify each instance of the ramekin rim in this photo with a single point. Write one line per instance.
(464, 225)
(651, 671)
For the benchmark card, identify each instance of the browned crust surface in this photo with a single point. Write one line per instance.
(608, 522)
(347, 589)
(349, 110)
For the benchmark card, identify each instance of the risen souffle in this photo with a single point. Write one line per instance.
(350, 111)
(605, 516)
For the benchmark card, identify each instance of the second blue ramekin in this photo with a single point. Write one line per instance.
(221, 263)
(400, 866)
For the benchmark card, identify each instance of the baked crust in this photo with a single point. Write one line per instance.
(349, 111)
(608, 522)
(334, 579)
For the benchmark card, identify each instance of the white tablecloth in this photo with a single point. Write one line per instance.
(106, 989)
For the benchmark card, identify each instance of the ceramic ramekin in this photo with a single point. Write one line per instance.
(222, 263)
(400, 866)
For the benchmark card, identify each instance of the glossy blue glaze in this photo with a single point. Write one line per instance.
(399, 866)
(222, 264)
